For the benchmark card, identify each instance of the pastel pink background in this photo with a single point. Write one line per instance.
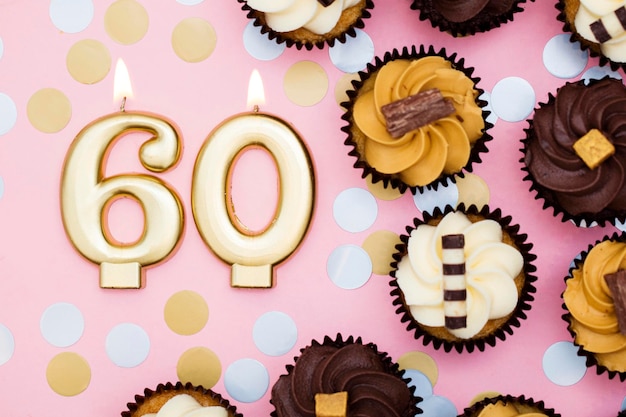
(39, 267)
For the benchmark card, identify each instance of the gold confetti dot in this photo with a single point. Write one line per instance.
(422, 362)
(473, 190)
(381, 192)
(186, 312)
(380, 246)
(49, 110)
(305, 83)
(68, 374)
(88, 61)
(126, 21)
(482, 396)
(200, 366)
(343, 85)
(193, 39)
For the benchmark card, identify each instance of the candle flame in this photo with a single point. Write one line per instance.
(122, 88)
(256, 93)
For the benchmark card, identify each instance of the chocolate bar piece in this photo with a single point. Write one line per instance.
(454, 285)
(415, 111)
(609, 26)
(326, 3)
(617, 285)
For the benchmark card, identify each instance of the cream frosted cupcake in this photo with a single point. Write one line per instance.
(463, 278)
(509, 406)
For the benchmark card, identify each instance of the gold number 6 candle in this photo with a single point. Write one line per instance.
(252, 254)
(86, 195)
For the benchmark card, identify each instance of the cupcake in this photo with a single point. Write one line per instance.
(595, 304)
(467, 17)
(178, 400)
(510, 406)
(343, 378)
(575, 152)
(308, 23)
(414, 119)
(462, 278)
(598, 26)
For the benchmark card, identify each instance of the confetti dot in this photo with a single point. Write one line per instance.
(380, 246)
(189, 2)
(194, 39)
(186, 313)
(246, 380)
(355, 210)
(349, 267)
(259, 46)
(437, 406)
(380, 191)
(1, 48)
(200, 366)
(49, 110)
(597, 73)
(422, 384)
(343, 85)
(62, 324)
(429, 198)
(619, 226)
(1, 187)
(513, 99)
(305, 83)
(7, 344)
(422, 362)
(354, 54)
(473, 189)
(623, 407)
(562, 365)
(68, 374)
(126, 21)
(564, 59)
(88, 61)
(275, 333)
(8, 114)
(71, 16)
(127, 345)
(492, 117)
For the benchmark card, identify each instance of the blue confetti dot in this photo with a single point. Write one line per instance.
(423, 386)
(275, 333)
(355, 210)
(436, 406)
(562, 365)
(349, 267)
(259, 46)
(246, 380)
(354, 54)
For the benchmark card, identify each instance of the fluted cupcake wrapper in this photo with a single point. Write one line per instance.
(527, 403)
(393, 180)
(515, 318)
(320, 41)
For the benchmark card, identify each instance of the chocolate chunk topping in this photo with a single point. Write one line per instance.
(456, 322)
(453, 241)
(326, 3)
(617, 285)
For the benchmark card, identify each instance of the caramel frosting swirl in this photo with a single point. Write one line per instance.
(463, 11)
(442, 147)
(552, 161)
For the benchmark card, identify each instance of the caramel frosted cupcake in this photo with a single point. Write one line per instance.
(308, 23)
(415, 119)
(509, 406)
(598, 26)
(575, 152)
(460, 18)
(595, 304)
(179, 399)
(343, 377)
(463, 278)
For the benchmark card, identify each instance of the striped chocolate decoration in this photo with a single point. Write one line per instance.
(454, 288)
(603, 29)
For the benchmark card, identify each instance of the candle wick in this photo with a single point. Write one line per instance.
(255, 108)
(123, 105)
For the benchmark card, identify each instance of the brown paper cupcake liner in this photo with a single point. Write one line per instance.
(527, 403)
(483, 22)
(590, 359)
(297, 38)
(394, 181)
(514, 319)
(165, 391)
(389, 366)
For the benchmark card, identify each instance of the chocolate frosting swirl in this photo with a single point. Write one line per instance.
(552, 161)
(463, 11)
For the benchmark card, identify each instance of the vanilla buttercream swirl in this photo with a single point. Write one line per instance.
(422, 155)
(589, 301)
(463, 11)
(550, 156)
(591, 11)
(491, 267)
(184, 405)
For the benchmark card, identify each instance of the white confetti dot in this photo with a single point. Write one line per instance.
(513, 99)
(1, 187)
(436, 406)
(71, 16)
(597, 73)
(259, 45)
(564, 59)
(562, 365)
(493, 117)
(246, 380)
(62, 324)
(127, 345)
(189, 2)
(1, 48)
(354, 54)
(355, 209)
(428, 199)
(349, 267)
(423, 386)
(275, 333)
(8, 113)
(7, 344)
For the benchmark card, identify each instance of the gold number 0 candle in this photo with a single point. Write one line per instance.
(86, 196)
(252, 254)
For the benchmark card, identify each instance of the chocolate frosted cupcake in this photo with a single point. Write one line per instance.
(595, 304)
(510, 406)
(308, 23)
(179, 399)
(575, 152)
(460, 18)
(462, 278)
(414, 119)
(343, 378)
